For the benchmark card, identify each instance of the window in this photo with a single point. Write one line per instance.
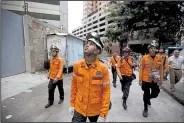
(101, 30)
(101, 35)
(95, 21)
(99, 3)
(99, 9)
(100, 14)
(102, 24)
(90, 24)
(111, 21)
(102, 19)
(94, 17)
(95, 27)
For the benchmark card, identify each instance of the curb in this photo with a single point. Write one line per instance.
(174, 96)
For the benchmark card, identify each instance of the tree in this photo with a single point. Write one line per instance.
(132, 16)
(115, 32)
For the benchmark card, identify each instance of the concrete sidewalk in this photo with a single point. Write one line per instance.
(179, 92)
(14, 85)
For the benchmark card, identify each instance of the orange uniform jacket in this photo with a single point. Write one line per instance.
(145, 67)
(113, 62)
(56, 68)
(90, 88)
(123, 68)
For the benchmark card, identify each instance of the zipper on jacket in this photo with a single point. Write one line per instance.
(88, 91)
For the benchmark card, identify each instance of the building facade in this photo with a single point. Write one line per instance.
(94, 19)
(52, 12)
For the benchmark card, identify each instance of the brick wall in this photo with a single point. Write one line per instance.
(37, 42)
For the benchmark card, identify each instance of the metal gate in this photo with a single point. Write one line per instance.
(13, 54)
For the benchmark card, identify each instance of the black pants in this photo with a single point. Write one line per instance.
(155, 90)
(114, 74)
(52, 87)
(77, 117)
(125, 86)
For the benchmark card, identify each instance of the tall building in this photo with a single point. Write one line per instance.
(52, 12)
(94, 18)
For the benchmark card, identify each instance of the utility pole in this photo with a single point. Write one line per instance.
(25, 7)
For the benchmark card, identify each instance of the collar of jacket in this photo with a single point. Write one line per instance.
(127, 58)
(57, 57)
(94, 64)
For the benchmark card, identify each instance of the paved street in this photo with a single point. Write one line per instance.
(29, 106)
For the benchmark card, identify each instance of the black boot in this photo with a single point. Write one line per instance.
(48, 104)
(60, 101)
(145, 113)
(149, 102)
(114, 84)
(124, 104)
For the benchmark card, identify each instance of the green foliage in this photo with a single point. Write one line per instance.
(129, 16)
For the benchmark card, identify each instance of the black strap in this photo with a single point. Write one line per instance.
(127, 62)
(114, 59)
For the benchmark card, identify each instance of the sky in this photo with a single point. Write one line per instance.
(75, 14)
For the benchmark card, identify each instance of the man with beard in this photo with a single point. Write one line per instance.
(145, 81)
(90, 87)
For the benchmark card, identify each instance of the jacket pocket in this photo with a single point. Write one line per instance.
(95, 100)
(96, 82)
(96, 88)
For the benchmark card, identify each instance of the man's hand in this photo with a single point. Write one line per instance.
(71, 110)
(116, 65)
(140, 83)
(120, 77)
(101, 119)
(55, 80)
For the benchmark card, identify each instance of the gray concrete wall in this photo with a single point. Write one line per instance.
(35, 41)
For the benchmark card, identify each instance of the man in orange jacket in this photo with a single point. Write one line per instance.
(90, 87)
(56, 76)
(125, 72)
(113, 61)
(145, 81)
